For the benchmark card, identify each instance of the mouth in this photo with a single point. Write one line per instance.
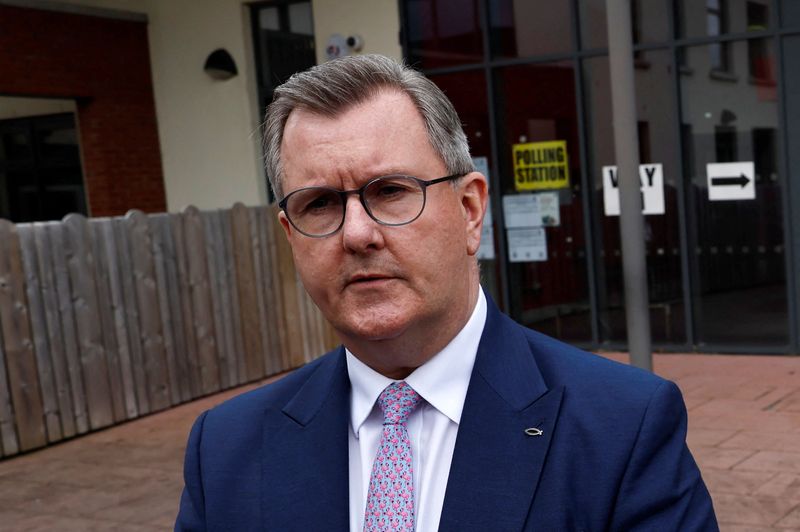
(367, 279)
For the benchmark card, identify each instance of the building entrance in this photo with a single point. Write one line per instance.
(531, 82)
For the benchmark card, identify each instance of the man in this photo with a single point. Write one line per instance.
(438, 412)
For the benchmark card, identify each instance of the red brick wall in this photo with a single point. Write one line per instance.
(105, 65)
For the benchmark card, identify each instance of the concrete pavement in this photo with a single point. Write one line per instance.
(744, 430)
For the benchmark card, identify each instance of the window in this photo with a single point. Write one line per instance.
(725, 145)
(716, 24)
(283, 33)
(40, 169)
(442, 33)
(758, 55)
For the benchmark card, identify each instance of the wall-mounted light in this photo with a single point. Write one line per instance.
(727, 117)
(220, 65)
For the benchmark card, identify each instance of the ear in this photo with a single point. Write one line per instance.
(474, 196)
(287, 227)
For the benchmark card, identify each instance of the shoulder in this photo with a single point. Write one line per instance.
(565, 365)
(242, 413)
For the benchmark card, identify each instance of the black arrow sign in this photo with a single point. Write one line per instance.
(742, 181)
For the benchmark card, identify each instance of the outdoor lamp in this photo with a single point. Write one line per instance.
(220, 65)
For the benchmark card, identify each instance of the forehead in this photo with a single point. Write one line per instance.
(383, 134)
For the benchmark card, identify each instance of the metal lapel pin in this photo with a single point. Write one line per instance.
(533, 431)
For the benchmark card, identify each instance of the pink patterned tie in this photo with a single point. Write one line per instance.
(390, 501)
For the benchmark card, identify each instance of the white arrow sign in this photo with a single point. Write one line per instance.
(731, 181)
(652, 179)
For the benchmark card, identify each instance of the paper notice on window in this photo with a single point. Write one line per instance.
(486, 249)
(522, 210)
(549, 209)
(481, 165)
(527, 245)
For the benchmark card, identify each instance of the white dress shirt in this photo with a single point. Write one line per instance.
(442, 382)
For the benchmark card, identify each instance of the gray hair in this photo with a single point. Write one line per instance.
(333, 87)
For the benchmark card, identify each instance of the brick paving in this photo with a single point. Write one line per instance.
(744, 430)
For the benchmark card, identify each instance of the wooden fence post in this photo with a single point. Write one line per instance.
(55, 339)
(38, 329)
(152, 339)
(18, 345)
(251, 321)
(204, 322)
(80, 262)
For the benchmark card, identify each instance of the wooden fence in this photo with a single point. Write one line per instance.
(104, 320)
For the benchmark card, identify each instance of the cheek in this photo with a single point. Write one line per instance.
(443, 251)
(313, 271)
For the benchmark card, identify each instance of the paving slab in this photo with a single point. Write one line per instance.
(744, 430)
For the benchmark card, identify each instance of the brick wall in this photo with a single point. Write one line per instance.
(104, 64)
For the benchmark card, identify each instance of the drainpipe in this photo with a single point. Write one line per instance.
(631, 220)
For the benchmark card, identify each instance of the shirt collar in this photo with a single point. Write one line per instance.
(442, 381)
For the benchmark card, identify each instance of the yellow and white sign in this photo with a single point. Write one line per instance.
(541, 165)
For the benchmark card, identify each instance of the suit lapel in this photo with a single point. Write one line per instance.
(496, 465)
(305, 453)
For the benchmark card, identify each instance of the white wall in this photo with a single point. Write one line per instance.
(376, 21)
(207, 129)
(210, 152)
(210, 156)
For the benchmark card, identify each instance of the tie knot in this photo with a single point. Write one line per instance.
(397, 401)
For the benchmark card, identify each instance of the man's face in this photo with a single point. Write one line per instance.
(375, 282)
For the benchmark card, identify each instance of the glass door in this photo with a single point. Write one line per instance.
(730, 141)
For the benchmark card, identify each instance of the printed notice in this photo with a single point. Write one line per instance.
(486, 249)
(541, 165)
(549, 209)
(481, 165)
(527, 245)
(522, 210)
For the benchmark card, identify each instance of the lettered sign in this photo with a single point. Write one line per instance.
(541, 165)
(652, 187)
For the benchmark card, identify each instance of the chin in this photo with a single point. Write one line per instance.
(372, 327)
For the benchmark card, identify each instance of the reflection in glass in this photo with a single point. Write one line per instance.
(40, 168)
(467, 91)
(269, 19)
(737, 254)
(539, 105)
(649, 19)
(656, 126)
(524, 28)
(790, 13)
(443, 32)
(300, 19)
(707, 18)
(284, 44)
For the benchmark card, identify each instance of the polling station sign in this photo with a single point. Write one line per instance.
(541, 165)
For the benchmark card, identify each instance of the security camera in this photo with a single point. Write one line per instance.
(355, 43)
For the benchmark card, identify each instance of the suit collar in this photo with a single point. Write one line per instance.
(505, 361)
(305, 452)
(495, 469)
(496, 466)
(329, 377)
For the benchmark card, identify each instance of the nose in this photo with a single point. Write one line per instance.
(360, 233)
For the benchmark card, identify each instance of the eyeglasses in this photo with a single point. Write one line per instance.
(389, 200)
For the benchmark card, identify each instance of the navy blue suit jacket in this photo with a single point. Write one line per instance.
(611, 456)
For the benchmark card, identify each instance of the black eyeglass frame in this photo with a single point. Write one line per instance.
(360, 191)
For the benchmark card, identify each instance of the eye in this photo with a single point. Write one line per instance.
(320, 202)
(392, 188)
(314, 202)
(388, 190)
